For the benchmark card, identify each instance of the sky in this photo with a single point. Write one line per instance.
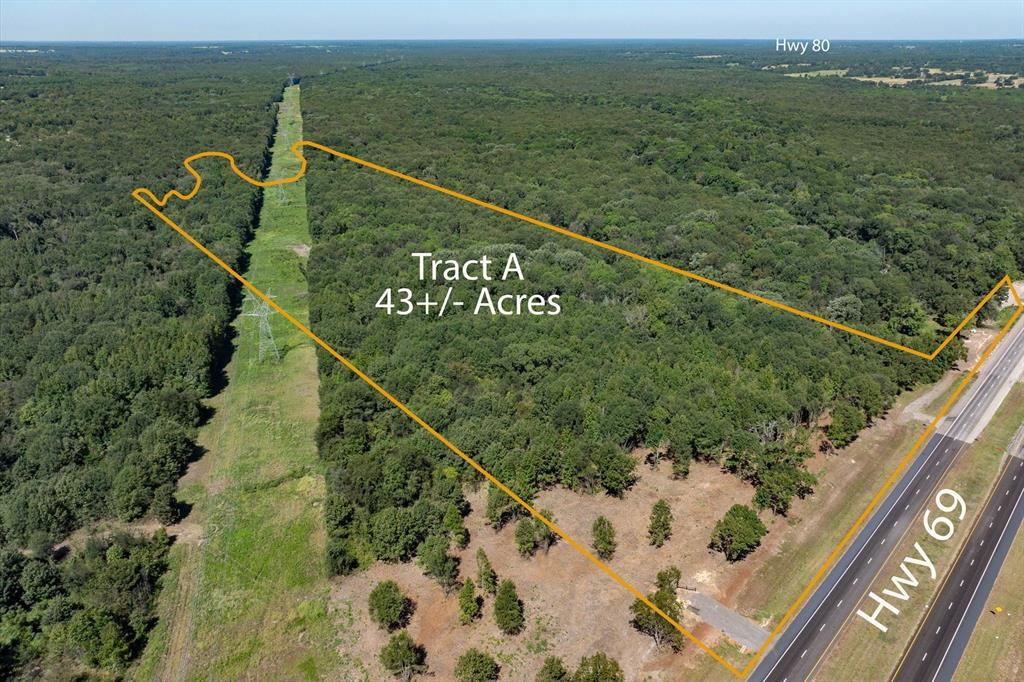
(310, 20)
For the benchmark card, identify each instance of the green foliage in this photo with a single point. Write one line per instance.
(508, 609)
(669, 579)
(867, 226)
(389, 608)
(95, 637)
(40, 580)
(437, 563)
(96, 606)
(112, 334)
(485, 574)
(525, 540)
(738, 533)
(113, 330)
(402, 657)
(553, 670)
(533, 534)
(648, 621)
(469, 603)
(779, 485)
(847, 421)
(660, 527)
(339, 559)
(476, 666)
(598, 668)
(544, 536)
(163, 505)
(500, 507)
(453, 524)
(395, 533)
(12, 563)
(604, 538)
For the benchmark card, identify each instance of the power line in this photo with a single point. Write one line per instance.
(260, 309)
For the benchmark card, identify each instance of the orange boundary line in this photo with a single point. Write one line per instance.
(148, 199)
(881, 494)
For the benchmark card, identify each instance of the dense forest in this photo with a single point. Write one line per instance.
(890, 211)
(112, 328)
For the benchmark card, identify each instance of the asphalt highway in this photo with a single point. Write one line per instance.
(942, 637)
(797, 652)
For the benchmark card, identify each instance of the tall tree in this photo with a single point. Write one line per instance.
(604, 538)
(485, 573)
(650, 622)
(402, 657)
(660, 527)
(453, 524)
(545, 536)
(389, 608)
(508, 609)
(738, 533)
(526, 539)
(437, 563)
(469, 604)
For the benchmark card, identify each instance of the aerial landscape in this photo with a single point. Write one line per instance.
(482, 358)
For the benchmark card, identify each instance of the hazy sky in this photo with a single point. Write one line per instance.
(107, 20)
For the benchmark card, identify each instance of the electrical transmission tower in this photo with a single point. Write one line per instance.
(260, 309)
(282, 198)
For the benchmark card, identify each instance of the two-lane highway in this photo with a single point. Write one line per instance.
(798, 650)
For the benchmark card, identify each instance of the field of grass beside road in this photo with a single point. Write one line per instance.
(250, 601)
(996, 650)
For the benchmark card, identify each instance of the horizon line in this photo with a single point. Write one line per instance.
(65, 41)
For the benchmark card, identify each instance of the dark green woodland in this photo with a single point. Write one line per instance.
(891, 210)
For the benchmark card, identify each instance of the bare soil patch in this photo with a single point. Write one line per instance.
(572, 608)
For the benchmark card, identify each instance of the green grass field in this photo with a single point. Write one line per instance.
(251, 600)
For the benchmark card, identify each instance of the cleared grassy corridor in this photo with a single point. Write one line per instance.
(249, 600)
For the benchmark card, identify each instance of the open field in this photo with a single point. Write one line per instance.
(820, 72)
(571, 609)
(250, 599)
